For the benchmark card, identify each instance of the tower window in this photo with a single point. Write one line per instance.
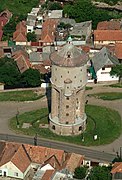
(80, 80)
(74, 76)
(61, 76)
(67, 98)
(67, 114)
(68, 72)
(67, 87)
(55, 79)
(67, 122)
(53, 127)
(67, 106)
(81, 70)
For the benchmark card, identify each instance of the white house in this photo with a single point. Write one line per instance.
(100, 66)
(14, 161)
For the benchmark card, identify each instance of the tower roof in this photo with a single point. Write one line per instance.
(69, 56)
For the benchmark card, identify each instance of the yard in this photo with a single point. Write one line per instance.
(100, 121)
(27, 95)
(108, 95)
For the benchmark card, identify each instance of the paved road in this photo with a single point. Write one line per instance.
(9, 109)
(92, 154)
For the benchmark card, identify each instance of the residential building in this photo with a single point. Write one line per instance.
(117, 171)
(14, 161)
(22, 60)
(68, 80)
(19, 36)
(106, 37)
(48, 31)
(109, 25)
(102, 62)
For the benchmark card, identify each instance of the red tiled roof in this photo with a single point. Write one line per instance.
(117, 167)
(19, 37)
(74, 161)
(17, 155)
(48, 174)
(48, 30)
(6, 13)
(21, 31)
(39, 154)
(40, 68)
(108, 25)
(107, 35)
(118, 50)
(22, 60)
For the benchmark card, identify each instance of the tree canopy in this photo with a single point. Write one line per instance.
(80, 172)
(31, 36)
(100, 173)
(9, 73)
(84, 10)
(31, 78)
(117, 71)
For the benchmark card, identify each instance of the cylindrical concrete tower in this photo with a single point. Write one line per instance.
(69, 77)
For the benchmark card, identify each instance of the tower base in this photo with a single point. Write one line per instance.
(68, 129)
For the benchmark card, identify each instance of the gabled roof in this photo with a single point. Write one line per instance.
(117, 167)
(73, 162)
(108, 35)
(108, 25)
(48, 30)
(19, 37)
(102, 58)
(118, 50)
(16, 154)
(22, 60)
(35, 151)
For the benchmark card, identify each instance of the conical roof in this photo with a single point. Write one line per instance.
(69, 56)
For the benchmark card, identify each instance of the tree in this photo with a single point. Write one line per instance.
(9, 73)
(117, 71)
(80, 172)
(100, 173)
(54, 6)
(31, 36)
(31, 78)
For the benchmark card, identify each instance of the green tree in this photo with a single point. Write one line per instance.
(31, 36)
(100, 173)
(117, 71)
(9, 73)
(31, 78)
(54, 6)
(80, 172)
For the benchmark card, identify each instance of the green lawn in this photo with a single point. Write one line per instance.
(18, 7)
(101, 121)
(27, 95)
(118, 85)
(108, 95)
(88, 88)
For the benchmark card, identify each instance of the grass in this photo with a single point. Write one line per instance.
(28, 95)
(88, 88)
(18, 7)
(100, 122)
(108, 95)
(118, 85)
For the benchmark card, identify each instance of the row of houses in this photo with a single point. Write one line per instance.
(22, 161)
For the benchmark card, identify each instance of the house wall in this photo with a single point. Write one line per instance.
(10, 170)
(104, 75)
(98, 43)
(30, 28)
(21, 43)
